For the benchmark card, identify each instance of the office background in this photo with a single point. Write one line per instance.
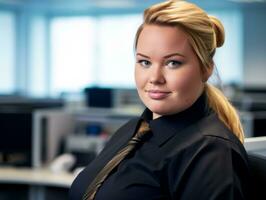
(60, 58)
(54, 46)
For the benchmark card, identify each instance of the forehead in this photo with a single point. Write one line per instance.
(163, 38)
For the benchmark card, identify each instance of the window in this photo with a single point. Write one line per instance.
(228, 59)
(116, 52)
(7, 52)
(72, 53)
(92, 51)
(38, 57)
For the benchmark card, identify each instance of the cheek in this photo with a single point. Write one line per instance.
(139, 78)
(136, 76)
(187, 80)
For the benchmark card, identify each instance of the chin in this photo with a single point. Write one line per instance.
(163, 107)
(166, 108)
(160, 110)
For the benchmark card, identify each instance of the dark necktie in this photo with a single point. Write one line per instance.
(133, 143)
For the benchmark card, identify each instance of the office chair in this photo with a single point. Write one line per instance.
(257, 165)
(256, 150)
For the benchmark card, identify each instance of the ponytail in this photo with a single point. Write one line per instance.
(225, 110)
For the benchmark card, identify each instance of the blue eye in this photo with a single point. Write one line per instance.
(144, 63)
(173, 64)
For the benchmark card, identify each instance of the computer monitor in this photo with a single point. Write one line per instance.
(16, 124)
(99, 97)
(16, 139)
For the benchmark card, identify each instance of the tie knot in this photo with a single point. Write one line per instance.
(143, 131)
(144, 127)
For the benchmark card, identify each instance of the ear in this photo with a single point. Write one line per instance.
(207, 72)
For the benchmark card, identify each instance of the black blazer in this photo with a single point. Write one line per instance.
(203, 161)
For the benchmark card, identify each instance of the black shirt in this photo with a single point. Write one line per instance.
(182, 160)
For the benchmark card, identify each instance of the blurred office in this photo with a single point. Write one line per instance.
(67, 83)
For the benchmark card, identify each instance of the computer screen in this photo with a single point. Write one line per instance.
(16, 124)
(99, 97)
(16, 140)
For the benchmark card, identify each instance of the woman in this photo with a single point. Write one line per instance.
(194, 149)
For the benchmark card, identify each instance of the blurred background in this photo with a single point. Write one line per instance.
(66, 82)
(49, 47)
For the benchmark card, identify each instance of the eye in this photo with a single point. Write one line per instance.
(144, 63)
(173, 64)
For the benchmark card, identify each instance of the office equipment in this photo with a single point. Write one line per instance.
(50, 126)
(257, 165)
(251, 102)
(93, 127)
(99, 97)
(16, 139)
(256, 149)
(254, 123)
(27, 104)
(256, 145)
(84, 143)
(62, 163)
(250, 99)
(84, 147)
(16, 115)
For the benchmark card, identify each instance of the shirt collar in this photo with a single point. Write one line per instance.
(164, 127)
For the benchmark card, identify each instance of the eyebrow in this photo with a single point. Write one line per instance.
(167, 56)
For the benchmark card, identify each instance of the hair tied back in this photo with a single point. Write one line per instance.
(218, 30)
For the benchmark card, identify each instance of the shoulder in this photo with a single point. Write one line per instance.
(207, 141)
(213, 130)
(208, 131)
(209, 153)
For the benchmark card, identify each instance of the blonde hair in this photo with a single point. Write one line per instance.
(205, 34)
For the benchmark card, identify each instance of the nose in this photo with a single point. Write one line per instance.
(156, 75)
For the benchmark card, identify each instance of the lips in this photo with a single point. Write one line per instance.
(157, 94)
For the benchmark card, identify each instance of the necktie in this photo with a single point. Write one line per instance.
(133, 143)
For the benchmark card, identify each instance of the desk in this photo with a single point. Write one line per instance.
(256, 145)
(41, 182)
